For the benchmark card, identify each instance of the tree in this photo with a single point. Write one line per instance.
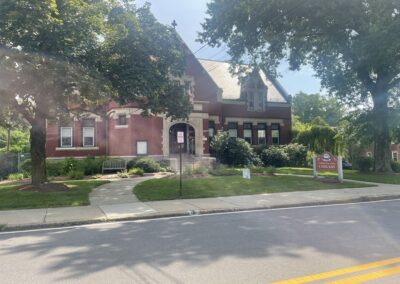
(307, 106)
(352, 46)
(62, 56)
(319, 137)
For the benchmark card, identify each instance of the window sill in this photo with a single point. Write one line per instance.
(76, 148)
(121, 126)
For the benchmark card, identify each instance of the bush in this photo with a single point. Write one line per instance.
(132, 163)
(395, 166)
(26, 166)
(274, 156)
(123, 174)
(233, 151)
(70, 165)
(364, 164)
(15, 176)
(148, 165)
(76, 174)
(136, 171)
(91, 165)
(55, 169)
(296, 155)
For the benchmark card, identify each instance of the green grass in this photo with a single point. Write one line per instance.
(347, 174)
(10, 198)
(168, 188)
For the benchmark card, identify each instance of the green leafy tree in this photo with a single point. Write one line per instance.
(352, 46)
(319, 137)
(308, 106)
(62, 56)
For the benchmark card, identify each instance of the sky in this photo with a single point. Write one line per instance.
(189, 14)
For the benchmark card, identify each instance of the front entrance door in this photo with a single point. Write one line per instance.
(189, 146)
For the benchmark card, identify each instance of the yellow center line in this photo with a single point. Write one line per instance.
(339, 272)
(369, 276)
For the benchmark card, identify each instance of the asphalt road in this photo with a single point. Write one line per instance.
(246, 247)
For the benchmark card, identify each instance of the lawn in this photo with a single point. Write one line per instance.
(11, 198)
(347, 174)
(168, 188)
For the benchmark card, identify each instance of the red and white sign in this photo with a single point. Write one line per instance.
(180, 137)
(327, 163)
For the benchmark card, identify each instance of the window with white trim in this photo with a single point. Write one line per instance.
(395, 156)
(232, 129)
(66, 137)
(88, 127)
(262, 133)
(141, 147)
(275, 133)
(88, 136)
(247, 132)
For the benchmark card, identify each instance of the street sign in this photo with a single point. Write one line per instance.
(180, 137)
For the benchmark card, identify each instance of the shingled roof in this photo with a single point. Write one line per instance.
(230, 86)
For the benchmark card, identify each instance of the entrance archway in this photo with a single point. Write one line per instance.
(189, 147)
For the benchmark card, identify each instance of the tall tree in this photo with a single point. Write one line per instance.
(352, 45)
(308, 106)
(58, 56)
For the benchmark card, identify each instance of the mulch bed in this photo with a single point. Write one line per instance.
(46, 187)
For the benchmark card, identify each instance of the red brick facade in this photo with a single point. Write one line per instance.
(153, 134)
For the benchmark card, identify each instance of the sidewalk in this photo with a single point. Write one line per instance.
(115, 201)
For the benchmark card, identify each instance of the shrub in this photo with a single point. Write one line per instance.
(26, 166)
(132, 163)
(395, 166)
(70, 165)
(136, 171)
(91, 165)
(364, 164)
(76, 174)
(148, 165)
(233, 151)
(55, 169)
(123, 174)
(274, 156)
(296, 155)
(15, 176)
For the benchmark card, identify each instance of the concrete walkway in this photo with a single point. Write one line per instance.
(115, 201)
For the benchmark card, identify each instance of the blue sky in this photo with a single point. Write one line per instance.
(189, 14)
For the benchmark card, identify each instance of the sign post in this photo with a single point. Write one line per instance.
(328, 163)
(180, 138)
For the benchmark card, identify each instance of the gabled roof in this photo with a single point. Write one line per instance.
(230, 85)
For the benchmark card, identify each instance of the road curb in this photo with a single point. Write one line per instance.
(151, 216)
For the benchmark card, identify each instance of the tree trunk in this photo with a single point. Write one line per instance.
(8, 139)
(38, 150)
(381, 132)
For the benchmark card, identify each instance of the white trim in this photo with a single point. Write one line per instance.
(61, 137)
(255, 121)
(83, 137)
(76, 148)
(215, 118)
(121, 126)
(397, 155)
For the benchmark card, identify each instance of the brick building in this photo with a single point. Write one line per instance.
(258, 110)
